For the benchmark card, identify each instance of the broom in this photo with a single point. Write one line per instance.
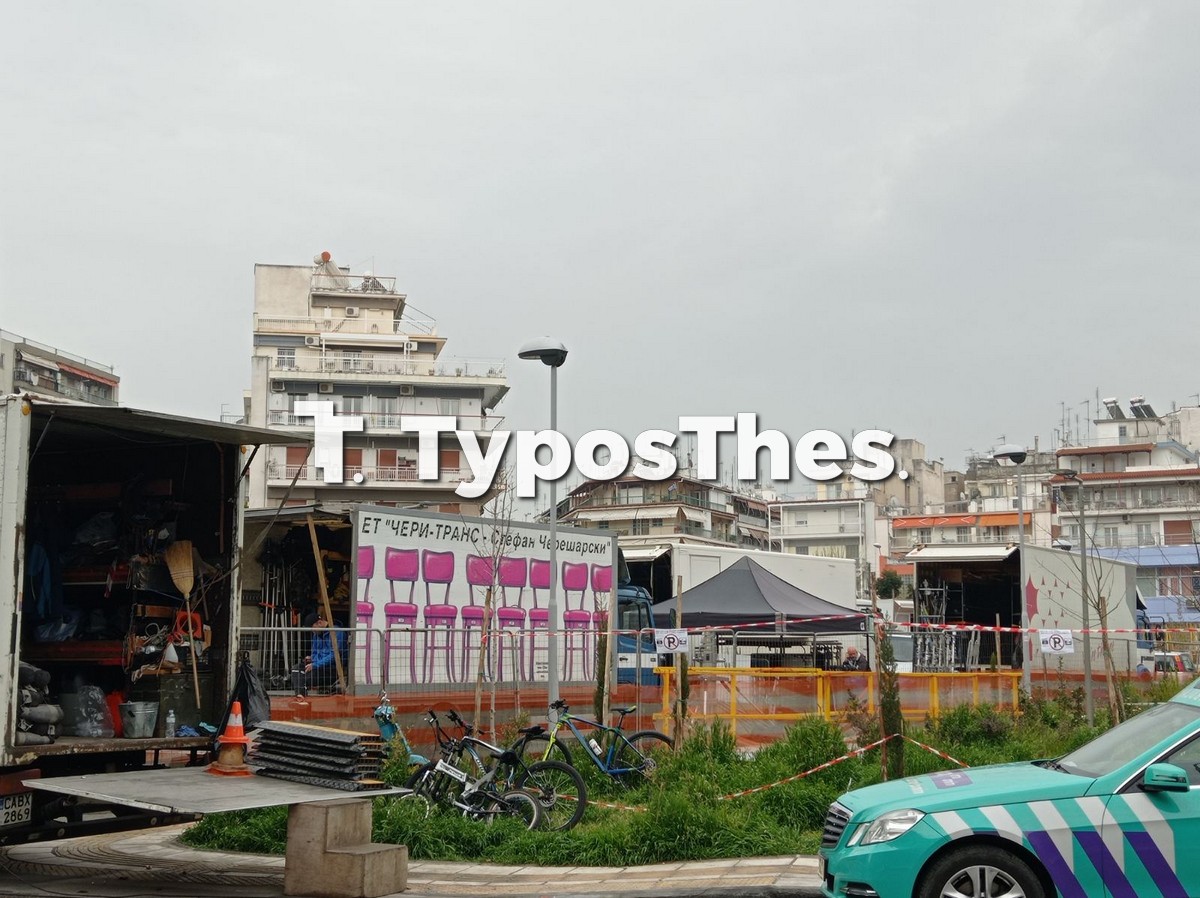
(178, 557)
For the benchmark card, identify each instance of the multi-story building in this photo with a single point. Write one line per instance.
(839, 523)
(1138, 480)
(984, 507)
(321, 333)
(678, 509)
(31, 367)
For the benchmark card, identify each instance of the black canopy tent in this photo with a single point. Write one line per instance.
(747, 593)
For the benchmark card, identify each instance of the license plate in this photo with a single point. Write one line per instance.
(821, 866)
(16, 809)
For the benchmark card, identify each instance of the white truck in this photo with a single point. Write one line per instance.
(90, 499)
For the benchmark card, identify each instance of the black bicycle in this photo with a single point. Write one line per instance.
(480, 797)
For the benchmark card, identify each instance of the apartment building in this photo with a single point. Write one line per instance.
(27, 366)
(679, 509)
(1137, 483)
(323, 333)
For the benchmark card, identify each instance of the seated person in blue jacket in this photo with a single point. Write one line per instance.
(318, 669)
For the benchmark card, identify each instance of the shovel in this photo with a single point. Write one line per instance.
(178, 557)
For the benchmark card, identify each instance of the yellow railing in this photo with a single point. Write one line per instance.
(762, 701)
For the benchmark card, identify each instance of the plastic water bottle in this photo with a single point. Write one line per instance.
(596, 749)
(170, 730)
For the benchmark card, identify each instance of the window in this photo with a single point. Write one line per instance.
(387, 411)
(602, 525)
(293, 419)
(1111, 537)
(1187, 757)
(352, 463)
(924, 535)
(449, 406)
(351, 405)
(352, 360)
(1145, 535)
(285, 357)
(449, 461)
(962, 534)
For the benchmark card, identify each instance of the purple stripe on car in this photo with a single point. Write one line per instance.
(1062, 874)
(1154, 862)
(1110, 871)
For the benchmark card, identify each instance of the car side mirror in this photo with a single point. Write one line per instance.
(1165, 778)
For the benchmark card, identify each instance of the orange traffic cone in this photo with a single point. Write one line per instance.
(231, 756)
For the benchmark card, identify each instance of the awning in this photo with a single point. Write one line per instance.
(599, 514)
(960, 553)
(38, 360)
(90, 375)
(930, 521)
(644, 553)
(1003, 519)
(694, 514)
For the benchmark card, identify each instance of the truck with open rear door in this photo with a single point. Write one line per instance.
(99, 635)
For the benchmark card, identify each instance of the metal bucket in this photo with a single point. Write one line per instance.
(138, 719)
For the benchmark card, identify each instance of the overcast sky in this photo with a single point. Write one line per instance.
(942, 220)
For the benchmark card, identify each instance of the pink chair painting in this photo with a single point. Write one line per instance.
(365, 611)
(577, 622)
(601, 590)
(401, 566)
(481, 574)
(511, 578)
(437, 568)
(539, 617)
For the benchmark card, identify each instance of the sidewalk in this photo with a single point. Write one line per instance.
(155, 862)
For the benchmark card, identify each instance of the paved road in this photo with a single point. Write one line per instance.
(154, 862)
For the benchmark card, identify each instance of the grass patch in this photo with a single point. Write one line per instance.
(683, 814)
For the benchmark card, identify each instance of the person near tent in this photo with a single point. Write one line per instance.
(855, 660)
(318, 669)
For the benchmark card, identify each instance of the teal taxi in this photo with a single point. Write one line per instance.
(1118, 817)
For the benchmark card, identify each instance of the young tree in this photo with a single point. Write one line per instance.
(888, 585)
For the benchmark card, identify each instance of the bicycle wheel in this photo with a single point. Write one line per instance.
(635, 758)
(515, 803)
(538, 748)
(429, 784)
(560, 791)
(418, 800)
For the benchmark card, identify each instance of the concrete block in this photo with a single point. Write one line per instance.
(330, 853)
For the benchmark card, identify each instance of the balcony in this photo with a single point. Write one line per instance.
(413, 323)
(405, 476)
(61, 387)
(376, 365)
(387, 422)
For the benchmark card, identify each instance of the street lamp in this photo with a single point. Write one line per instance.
(1073, 476)
(1017, 455)
(550, 352)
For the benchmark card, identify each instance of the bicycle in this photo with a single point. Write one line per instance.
(559, 787)
(444, 782)
(627, 759)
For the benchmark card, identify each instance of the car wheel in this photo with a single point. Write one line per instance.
(981, 870)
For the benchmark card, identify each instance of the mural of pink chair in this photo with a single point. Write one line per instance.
(513, 575)
(601, 591)
(539, 617)
(401, 566)
(364, 609)
(577, 622)
(481, 573)
(438, 568)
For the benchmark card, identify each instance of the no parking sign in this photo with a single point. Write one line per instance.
(1057, 642)
(670, 642)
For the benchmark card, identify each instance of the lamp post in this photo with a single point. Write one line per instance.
(1088, 702)
(550, 352)
(1017, 456)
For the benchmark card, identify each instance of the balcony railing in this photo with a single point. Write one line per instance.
(413, 322)
(383, 421)
(34, 345)
(397, 363)
(372, 473)
(352, 283)
(48, 384)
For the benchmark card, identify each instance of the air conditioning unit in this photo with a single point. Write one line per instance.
(312, 341)
(278, 386)
(351, 311)
(410, 346)
(406, 389)
(324, 388)
(1126, 518)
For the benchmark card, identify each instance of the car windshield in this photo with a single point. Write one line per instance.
(1126, 741)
